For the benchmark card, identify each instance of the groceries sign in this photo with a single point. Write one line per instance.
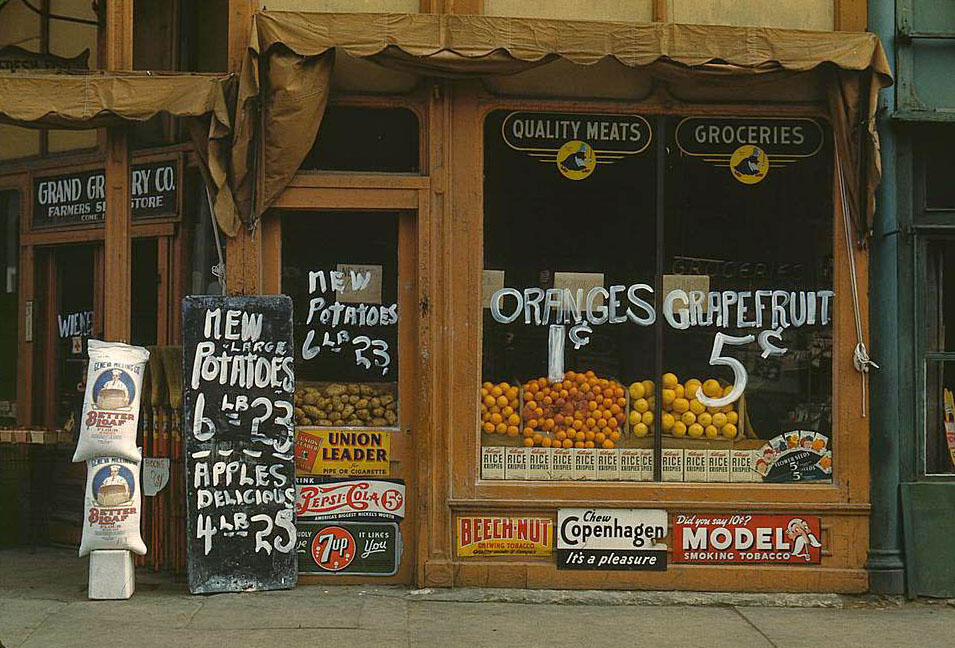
(81, 197)
(743, 538)
(749, 147)
(576, 142)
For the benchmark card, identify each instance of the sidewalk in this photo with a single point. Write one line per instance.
(43, 605)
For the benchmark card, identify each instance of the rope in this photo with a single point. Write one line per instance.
(218, 270)
(860, 355)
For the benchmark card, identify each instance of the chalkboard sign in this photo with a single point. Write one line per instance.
(81, 197)
(238, 387)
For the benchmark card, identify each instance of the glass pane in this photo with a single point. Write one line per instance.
(144, 296)
(939, 446)
(939, 169)
(74, 326)
(9, 263)
(341, 270)
(747, 293)
(569, 263)
(366, 139)
(940, 304)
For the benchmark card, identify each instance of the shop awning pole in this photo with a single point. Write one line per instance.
(118, 234)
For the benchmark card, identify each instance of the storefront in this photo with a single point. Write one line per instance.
(622, 284)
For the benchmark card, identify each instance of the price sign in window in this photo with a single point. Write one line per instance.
(341, 270)
(938, 445)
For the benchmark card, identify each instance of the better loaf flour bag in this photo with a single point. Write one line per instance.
(113, 506)
(111, 406)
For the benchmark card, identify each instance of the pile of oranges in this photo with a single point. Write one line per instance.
(684, 415)
(499, 409)
(581, 411)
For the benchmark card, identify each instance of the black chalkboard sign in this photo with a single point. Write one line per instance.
(238, 388)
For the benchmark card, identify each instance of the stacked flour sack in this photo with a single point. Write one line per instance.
(107, 444)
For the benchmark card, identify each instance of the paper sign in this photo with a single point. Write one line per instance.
(748, 539)
(155, 475)
(582, 280)
(611, 539)
(362, 284)
(343, 453)
(491, 282)
(686, 283)
(504, 536)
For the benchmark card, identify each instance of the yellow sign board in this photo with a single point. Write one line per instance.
(343, 453)
(479, 535)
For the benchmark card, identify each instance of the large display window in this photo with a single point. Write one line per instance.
(658, 298)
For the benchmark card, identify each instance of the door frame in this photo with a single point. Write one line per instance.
(406, 195)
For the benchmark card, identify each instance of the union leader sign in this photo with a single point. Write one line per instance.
(706, 539)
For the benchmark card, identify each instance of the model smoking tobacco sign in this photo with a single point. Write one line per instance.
(749, 147)
(611, 539)
(576, 142)
(240, 474)
(745, 538)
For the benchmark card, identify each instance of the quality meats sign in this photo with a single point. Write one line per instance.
(611, 539)
(348, 548)
(480, 535)
(747, 539)
(347, 499)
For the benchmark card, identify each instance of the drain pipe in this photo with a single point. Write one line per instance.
(885, 560)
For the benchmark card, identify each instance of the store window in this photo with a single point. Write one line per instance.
(936, 151)
(341, 270)
(366, 139)
(939, 358)
(656, 314)
(9, 265)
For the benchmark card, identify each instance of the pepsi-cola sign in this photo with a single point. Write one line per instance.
(350, 499)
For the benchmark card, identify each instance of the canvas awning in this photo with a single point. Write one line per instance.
(285, 79)
(101, 99)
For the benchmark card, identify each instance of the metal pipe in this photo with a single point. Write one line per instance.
(885, 559)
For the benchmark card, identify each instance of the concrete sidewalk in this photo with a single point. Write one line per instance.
(43, 605)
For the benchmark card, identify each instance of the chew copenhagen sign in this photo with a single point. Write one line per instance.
(81, 197)
(240, 474)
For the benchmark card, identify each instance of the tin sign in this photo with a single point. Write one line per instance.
(343, 453)
(350, 499)
(611, 539)
(747, 539)
(480, 535)
(348, 548)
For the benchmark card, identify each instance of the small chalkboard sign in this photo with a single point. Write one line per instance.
(238, 387)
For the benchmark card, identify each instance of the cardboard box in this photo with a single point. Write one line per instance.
(694, 465)
(515, 463)
(538, 464)
(671, 462)
(608, 464)
(562, 464)
(741, 466)
(585, 464)
(629, 465)
(718, 465)
(646, 464)
(492, 462)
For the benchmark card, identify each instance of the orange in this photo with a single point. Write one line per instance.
(601, 423)
(529, 443)
(512, 430)
(490, 401)
(579, 444)
(514, 419)
(489, 428)
(615, 435)
(546, 442)
(589, 435)
(608, 444)
(568, 443)
(613, 423)
(599, 438)
(496, 391)
(528, 431)
(588, 444)
(501, 428)
(560, 435)
(578, 424)
(581, 436)
(496, 418)
(532, 423)
(591, 422)
(507, 411)
(538, 438)
(502, 401)
(511, 393)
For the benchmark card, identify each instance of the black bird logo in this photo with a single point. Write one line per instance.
(576, 160)
(749, 165)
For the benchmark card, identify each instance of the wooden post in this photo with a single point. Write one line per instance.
(119, 56)
(244, 250)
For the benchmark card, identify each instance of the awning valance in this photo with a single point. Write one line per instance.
(286, 75)
(100, 99)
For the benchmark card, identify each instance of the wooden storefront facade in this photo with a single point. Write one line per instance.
(440, 211)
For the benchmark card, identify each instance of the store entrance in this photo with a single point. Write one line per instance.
(351, 275)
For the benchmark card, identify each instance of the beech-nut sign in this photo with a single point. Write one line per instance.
(577, 143)
(749, 147)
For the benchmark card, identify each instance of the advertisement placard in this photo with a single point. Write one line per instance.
(343, 453)
(350, 499)
(348, 548)
(479, 535)
(611, 539)
(742, 538)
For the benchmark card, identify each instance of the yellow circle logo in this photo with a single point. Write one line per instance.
(749, 164)
(576, 160)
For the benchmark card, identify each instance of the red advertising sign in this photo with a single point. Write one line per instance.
(706, 539)
(365, 499)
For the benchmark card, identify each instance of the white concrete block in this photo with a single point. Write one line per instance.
(112, 575)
